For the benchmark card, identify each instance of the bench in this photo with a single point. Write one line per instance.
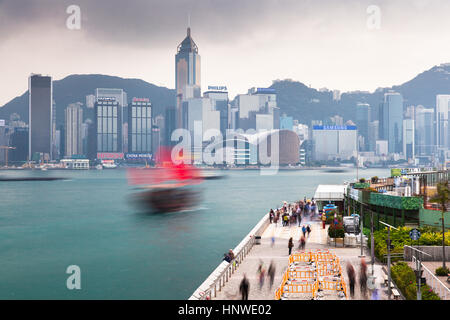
(385, 279)
(396, 294)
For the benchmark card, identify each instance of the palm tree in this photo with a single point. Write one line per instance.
(442, 197)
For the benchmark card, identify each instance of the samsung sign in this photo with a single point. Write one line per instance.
(334, 128)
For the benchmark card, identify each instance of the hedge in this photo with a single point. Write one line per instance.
(400, 238)
(405, 279)
(407, 203)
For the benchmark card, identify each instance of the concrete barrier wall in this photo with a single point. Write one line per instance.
(434, 251)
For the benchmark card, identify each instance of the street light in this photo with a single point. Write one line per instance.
(389, 256)
(419, 272)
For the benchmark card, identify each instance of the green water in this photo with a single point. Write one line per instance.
(123, 253)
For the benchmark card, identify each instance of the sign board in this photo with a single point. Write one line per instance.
(110, 155)
(137, 156)
(334, 128)
(414, 234)
(217, 88)
(396, 172)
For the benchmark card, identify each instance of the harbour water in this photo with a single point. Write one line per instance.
(123, 253)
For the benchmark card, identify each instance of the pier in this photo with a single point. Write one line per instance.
(257, 247)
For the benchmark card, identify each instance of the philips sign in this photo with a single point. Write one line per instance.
(217, 88)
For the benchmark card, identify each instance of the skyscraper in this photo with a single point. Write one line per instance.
(391, 124)
(362, 122)
(109, 128)
(140, 126)
(73, 133)
(40, 91)
(408, 139)
(424, 131)
(187, 73)
(442, 129)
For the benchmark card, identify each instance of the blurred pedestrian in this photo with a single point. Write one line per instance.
(244, 287)
(271, 215)
(351, 278)
(290, 245)
(308, 229)
(271, 273)
(363, 278)
(304, 230)
(324, 219)
(302, 243)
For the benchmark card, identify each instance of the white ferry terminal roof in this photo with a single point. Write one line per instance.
(326, 192)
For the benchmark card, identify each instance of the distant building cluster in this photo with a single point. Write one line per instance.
(109, 126)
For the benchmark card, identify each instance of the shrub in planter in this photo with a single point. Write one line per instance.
(336, 231)
(374, 179)
(442, 272)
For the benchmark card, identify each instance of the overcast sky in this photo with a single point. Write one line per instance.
(242, 43)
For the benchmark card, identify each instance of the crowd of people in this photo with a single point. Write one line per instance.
(293, 214)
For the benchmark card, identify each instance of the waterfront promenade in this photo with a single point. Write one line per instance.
(278, 253)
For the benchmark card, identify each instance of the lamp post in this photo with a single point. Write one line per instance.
(419, 272)
(361, 230)
(389, 257)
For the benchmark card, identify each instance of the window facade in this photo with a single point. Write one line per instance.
(140, 127)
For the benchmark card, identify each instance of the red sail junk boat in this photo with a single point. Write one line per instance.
(168, 186)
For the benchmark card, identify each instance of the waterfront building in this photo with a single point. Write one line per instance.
(408, 139)
(187, 74)
(73, 130)
(3, 140)
(391, 121)
(286, 123)
(40, 111)
(90, 101)
(140, 126)
(362, 122)
(108, 129)
(373, 135)
(382, 148)
(425, 131)
(442, 128)
(169, 126)
(334, 142)
(258, 101)
(19, 139)
(220, 103)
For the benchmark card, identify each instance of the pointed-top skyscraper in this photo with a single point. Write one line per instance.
(187, 74)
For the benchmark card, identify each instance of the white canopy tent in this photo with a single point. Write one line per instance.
(326, 192)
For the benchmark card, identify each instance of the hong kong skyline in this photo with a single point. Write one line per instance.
(320, 43)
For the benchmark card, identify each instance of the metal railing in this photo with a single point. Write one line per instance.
(432, 281)
(221, 275)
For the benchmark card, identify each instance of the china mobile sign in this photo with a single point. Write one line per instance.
(138, 156)
(110, 155)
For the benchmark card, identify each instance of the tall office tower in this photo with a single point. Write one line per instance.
(40, 111)
(373, 135)
(220, 103)
(187, 73)
(140, 126)
(442, 128)
(424, 131)
(362, 122)
(199, 116)
(392, 121)
(108, 125)
(408, 139)
(73, 134)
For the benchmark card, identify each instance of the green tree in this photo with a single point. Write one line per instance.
(442, 197)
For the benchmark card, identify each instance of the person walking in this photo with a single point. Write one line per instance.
(244, 287)
(271, 273)
(363, 278)
(302, 243)
(324, 220)
(290, 245)
(304, 230)
(308, 230)
(271, 215)
(351, 278)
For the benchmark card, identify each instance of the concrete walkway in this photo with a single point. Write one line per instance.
(278, 253)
